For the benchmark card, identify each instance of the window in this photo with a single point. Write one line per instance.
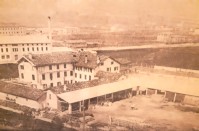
(71, 73)
(46, 48)
(42, 48)
(65, 73)
(85, 77)
(37, 48)
(58, 83)
(6, 49)
(22, 67)
(64, 65)
(57, 66)
(33, 77)
(89, 77)
(28, 49)
(102, 63)
(22, 76)
(2, 57)
(51, 84)
(51, 76)
(71, 81)
(7, 56)
(50, 67)
(33, 48)
(43, 76)
(23, 49)
(107, 69)
(112, 63)
(80, 76)
(75, 75)
(58, 74)
(44, 86)
(1, 49)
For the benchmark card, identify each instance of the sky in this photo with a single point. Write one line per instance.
(96, 12)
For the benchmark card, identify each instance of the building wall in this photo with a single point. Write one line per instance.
(51, 100)
(65, 75)
(28, 73)
(110, 65)
(10, 53)
(20, 100)
(84, 74)
(12, 30)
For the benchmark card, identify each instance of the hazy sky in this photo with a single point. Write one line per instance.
(95, 12)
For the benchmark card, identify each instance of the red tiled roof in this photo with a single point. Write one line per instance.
(91, 60)
(52, 58)
(20, 90)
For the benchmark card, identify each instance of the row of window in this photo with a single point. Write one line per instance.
(5, 57)
(17, 32)
(58, 75)
(28, 49)
(81, 76)
(57, 66)
(109, 69)
(34, 44)
(83, 69)
(35, 49)
(58, 83)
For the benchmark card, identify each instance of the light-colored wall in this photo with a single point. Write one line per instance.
(51, 100)
(107, 64)
(22, 49)
(28, 71)
(85, 74)
(21, 101)
(46, 71)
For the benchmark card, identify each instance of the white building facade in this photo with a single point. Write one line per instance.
(59, 68)
(14, 47)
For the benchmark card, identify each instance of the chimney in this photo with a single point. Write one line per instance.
(30, 56)
(65, 87)
(98, 59)
(86, 59)
(49, 30)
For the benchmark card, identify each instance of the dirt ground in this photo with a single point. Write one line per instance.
(152, 111)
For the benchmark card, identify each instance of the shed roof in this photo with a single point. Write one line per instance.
(95, 91)
(20, 90)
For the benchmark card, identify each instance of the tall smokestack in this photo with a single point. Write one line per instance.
(49, 30)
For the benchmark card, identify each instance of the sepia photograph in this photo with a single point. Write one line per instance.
(99, 65)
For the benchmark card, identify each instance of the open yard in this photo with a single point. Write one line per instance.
(149, 113)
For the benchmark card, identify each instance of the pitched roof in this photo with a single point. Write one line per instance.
(122, 61)
(51, 58)
(24, 39)
(20, 90)
(103, 57)
(91, 60)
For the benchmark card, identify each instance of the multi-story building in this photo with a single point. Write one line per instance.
(12, 30)
(14, 47)
(59, 68)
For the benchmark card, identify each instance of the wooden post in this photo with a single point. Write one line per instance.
(156, 92)
(174, 98)
(80, 106)
(70, 108)
(97, 100)
(112, 97)
(146, 92)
